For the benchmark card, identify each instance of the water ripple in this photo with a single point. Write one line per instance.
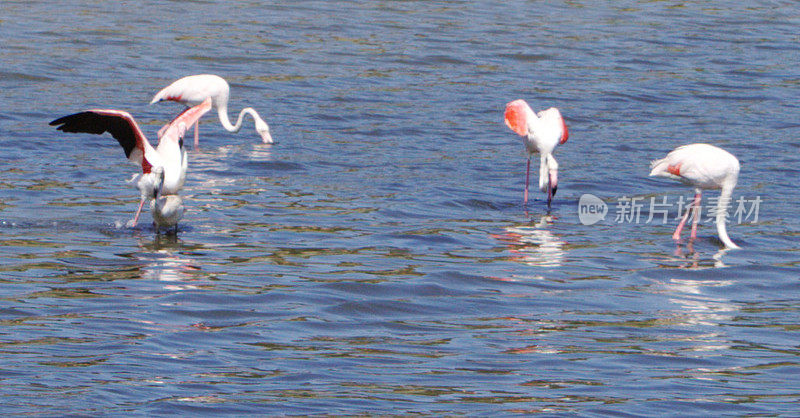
(377, 259)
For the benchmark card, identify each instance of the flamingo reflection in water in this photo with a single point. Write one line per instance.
(164, 261)
(534, 244)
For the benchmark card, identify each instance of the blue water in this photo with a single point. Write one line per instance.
(378, 259)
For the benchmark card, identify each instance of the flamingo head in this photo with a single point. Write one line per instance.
(552, 174)
(263, 129)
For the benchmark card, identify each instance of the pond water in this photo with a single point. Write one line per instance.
(378, 259)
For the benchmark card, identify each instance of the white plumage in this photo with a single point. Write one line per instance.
(702, 166)
(163, 168)
(541, 133)
(193, 89)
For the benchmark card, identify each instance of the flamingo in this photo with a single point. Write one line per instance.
(540, 133)
(167, 211)
(163, 168)
(193, 89)
(701, 166)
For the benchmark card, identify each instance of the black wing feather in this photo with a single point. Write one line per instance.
(96, 123)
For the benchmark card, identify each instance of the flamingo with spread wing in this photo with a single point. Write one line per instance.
(163, 167)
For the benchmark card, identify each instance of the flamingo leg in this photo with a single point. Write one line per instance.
(696, 206)
(549, 189)
(677, 234)
(527, 179)
(678, 250)
(197, 135)
(138, 212)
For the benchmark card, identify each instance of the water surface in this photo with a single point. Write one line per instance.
(378, 258)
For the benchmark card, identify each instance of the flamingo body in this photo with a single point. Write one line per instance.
(167, 210)
(193, 89)
(541, 133)
(163, 168)
(702, 166)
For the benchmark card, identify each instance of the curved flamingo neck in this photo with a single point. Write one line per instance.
(722, 209)
(222, 110)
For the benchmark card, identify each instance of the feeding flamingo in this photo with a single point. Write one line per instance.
(701, 166)
(167, 211)
(193, 89)
(163, 168)
(541, 133)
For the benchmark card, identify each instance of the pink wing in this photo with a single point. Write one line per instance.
(516, 116)
(565, 133)
(119, 124)
(178, 126)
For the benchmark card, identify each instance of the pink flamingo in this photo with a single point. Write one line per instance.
(193, 89)
(701, 166)
(163, 168)
(541, 133)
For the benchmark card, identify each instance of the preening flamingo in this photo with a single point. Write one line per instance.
(541, 133)
(701, 166)
(163, 168)
(193, 89)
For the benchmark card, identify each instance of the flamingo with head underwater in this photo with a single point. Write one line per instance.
(701, 166)
(167, 211)
(540, 133)
(192, 90)
(163, 168)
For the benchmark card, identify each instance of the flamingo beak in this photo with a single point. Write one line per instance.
(266, 137)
